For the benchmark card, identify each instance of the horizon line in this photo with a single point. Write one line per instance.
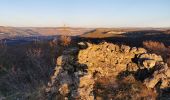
(78, 27)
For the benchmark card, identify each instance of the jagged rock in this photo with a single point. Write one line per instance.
(151, 56)
(165, 83)
(140, 51)
(85, 89)
(125, 49)
(158, 76)
(167, 73)
(132, 67)
(149, 63)
(152, 81)
(77, 70)
(133, 50)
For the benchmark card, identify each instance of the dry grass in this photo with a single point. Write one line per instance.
(25, 69)
(126, 88)
(154, 46)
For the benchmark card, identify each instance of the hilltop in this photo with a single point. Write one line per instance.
(94, 65)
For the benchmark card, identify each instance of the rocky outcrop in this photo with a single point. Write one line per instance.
(80, 67)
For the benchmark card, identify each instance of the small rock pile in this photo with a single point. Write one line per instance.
(78, 69)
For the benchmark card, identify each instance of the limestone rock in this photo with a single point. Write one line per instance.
(125, 49)
(165, 83)
(132, 67)
(82, 45)
(86, 88)
(167, 72)
(133, 50)
(149, 63)
(140, 51)
(59, 61)
(158, 76)
(151, 82)
(79, 67)
(151, 56)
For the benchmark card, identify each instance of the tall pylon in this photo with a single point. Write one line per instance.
(65, 30)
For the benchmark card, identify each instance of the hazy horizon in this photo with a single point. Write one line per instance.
(88, 14)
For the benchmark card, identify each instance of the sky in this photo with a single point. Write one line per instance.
(85, 13)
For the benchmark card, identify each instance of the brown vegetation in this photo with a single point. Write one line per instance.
(65, 40)
(25, 69)
(154, 46)
(126, 89)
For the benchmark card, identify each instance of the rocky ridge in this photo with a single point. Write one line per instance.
(79, 68)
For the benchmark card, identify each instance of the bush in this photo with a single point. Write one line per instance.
(154, 46)
(25, 69)
(65, 40)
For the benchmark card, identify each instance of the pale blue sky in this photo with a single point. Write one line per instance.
(85, 13)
